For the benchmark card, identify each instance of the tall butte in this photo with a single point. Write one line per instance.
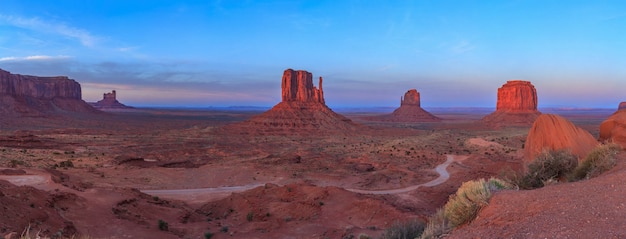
(410, 110)
(24, 95)
(302, 109)
(516, 105)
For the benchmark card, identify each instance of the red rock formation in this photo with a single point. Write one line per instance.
(109, 101)
(23, 95)
(516, 105)
(409, 111)
(554, 132)
(622, 106)
(613, 129)
(302, 109)
(298, 86)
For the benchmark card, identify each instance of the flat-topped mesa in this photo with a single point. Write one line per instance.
(298, 86)
(411, 97)
(39, 87)
(621, 106)
(517, 96)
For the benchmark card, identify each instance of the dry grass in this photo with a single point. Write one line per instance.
(404, 230)
(599, 160)
(463, 206)
(548, 167)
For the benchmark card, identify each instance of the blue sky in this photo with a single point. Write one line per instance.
(222, 53)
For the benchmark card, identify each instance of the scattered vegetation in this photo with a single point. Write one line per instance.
(224, 229)
(208, 235)
(163, 225)
(599, 160)
(250, 216)
(403, 230)
(548, 167)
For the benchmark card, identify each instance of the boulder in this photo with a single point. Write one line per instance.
(554, 132)
(613, 129)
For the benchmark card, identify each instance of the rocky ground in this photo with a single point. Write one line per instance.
(91, 174)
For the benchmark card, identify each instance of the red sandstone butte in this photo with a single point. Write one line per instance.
(302, 109)
(622, 106)
(553, 132)
(516, 105)
(109, 101)
(24, 95)
(409, 110)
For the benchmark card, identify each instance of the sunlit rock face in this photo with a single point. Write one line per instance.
(613, 129)
(409, 110)
(39, 87)
(516, 105)
(302, 109)
(553, 132)
(24, 95)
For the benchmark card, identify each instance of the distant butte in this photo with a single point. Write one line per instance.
(516, 105)
(410, 110)
(622, 106)
(24, 95)
(109, 101)
(302, 108)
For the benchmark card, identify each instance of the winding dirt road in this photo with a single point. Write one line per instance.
(200, 195)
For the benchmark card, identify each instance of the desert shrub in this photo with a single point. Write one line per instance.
(599, 160)
(404, 230)
(250, 216)
(163, 225)
(208, 235)
(549, 166)
(66, 164)
(463, 206)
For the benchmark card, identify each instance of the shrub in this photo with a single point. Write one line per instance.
(599, 160)
(548, 166)
(163, 225)
(404, 230)
(208, 235)
(437, 225)
(250, 216)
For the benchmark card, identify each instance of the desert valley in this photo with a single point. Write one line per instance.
(71, 169)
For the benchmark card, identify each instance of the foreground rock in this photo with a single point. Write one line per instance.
(109, 101)
(410, 110)
(614, 128)
(554, 132)
(24, 95)
(302, 109)
(516, 105)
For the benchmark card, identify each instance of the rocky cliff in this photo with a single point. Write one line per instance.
(24, 95)
(516, 105)
(409, 110)
(302, 109)
(109, 101)
(554, 132)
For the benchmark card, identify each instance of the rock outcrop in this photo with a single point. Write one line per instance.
(409, 110)
(554, 132)
(613, 129)
(302, 109)
(622, 106)
(109, 101)
(24, 95)
(516, 105)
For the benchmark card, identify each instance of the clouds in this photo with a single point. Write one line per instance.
(61, 29)
(33, 58)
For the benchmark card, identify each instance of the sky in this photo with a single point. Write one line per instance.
(233, 53)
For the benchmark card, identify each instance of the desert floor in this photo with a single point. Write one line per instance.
(123, 174)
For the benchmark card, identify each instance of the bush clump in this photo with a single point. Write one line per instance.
(549, 166)
(599, 160)
(404, 230)
(463, 206)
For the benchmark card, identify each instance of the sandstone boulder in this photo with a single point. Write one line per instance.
(613, 129)
(516, 105)
(554, 132)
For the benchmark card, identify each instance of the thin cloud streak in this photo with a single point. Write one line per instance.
(36, 24)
